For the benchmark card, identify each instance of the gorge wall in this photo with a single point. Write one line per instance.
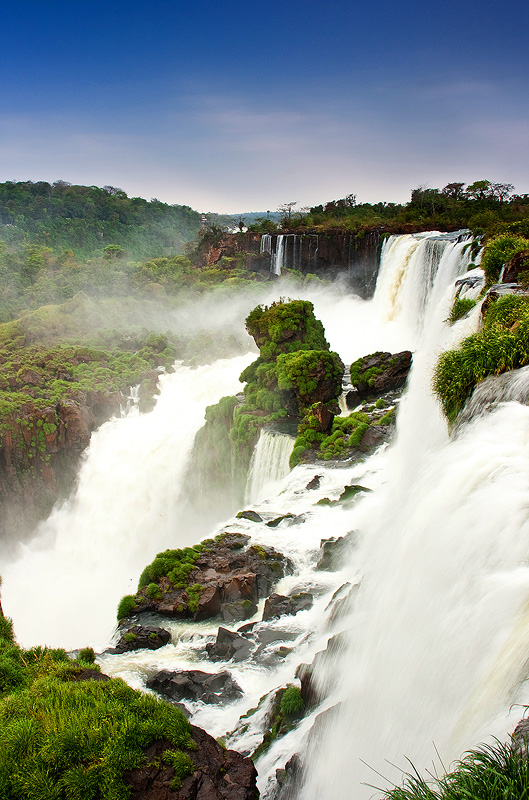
(327, 255)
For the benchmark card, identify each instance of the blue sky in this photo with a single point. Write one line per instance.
(226, 106)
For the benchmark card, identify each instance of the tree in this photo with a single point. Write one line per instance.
(479, 190)
(454, 190)
(286, 209)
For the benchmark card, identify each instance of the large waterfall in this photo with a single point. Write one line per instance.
(436, 640)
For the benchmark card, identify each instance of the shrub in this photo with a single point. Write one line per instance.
(125, 606)
(292, 702)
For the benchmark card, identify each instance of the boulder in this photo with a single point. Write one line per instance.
(378, 373)
(195, 685)
(518, 263)
(253, 516)
(238, 610)
(314, 483)
(141, 637)
(228, 578)
(520, 738)
(277, 604)
(334, 550)
(229, 646)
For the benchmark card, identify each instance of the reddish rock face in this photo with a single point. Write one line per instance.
(40, 451)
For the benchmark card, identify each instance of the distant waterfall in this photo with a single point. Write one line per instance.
(269, 465)
(278, 257)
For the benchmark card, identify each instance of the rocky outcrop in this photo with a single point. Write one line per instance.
(218, 774)
(227, 578)
(518, 263)
(195, 685)
(141, 637)
(334, 551)
(379, 373)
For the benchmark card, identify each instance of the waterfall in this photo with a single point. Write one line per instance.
(269, 465)
(64, 588)
(436, 642)
(278, 257)
(265, 247)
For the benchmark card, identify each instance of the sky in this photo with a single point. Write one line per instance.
(232, 107)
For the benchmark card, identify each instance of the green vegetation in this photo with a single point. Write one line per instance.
(460, 309)
(306, 372)
(502, 344)
(483, 206)
(291, 701)
(492, 772)
(89, 219)
(287, 709)
(498, 252)
(346, 433)
(126, 606)
(366, 376)
(71, 739)
(176, 565)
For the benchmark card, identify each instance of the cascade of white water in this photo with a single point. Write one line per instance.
(269, 465)
(277, 262)
(64, 587)
(438, 638)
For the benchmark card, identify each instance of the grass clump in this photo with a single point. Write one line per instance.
(292, 702)
(73, 740)
(492, 772)
(460, 309)
(126, 605)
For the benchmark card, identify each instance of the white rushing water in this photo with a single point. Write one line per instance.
(437, 638)
(269, 465)
(63, 589)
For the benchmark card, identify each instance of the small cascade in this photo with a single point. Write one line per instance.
(278, 257)
(269, 465)
(265, 247)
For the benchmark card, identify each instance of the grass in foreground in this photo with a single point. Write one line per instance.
(491, 772)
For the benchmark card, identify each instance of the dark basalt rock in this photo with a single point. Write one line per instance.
(518, 263)
(253, 516)
(314, 483)
(218, 774)
(229, 645)
(277, 604)
(195, 685)
(90, 675)
(291, 518)
(146, 637)
(378, 373)
(334, 550)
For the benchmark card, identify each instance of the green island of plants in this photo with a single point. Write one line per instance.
(501, 344)
(71, 739)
